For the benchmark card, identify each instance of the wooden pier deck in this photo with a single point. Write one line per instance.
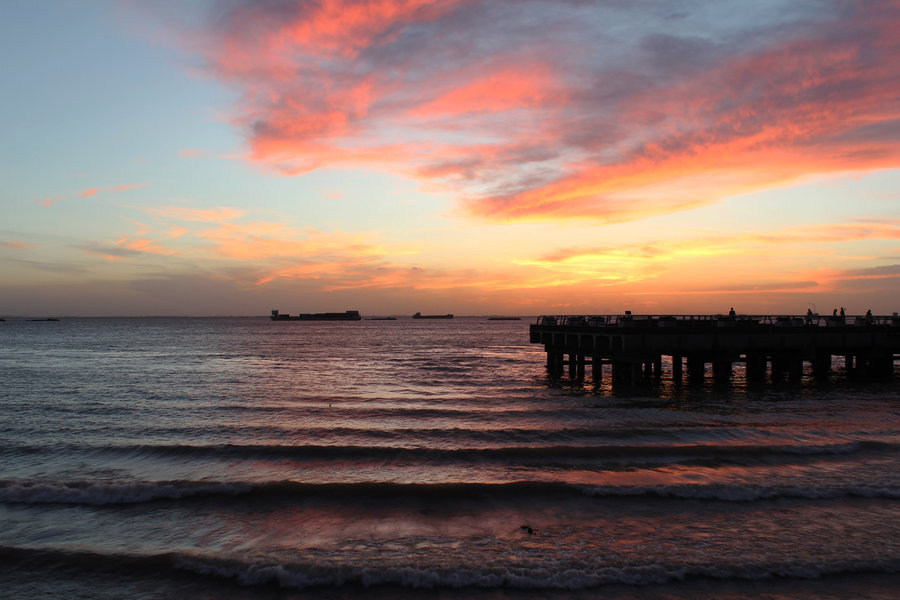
(780, 345)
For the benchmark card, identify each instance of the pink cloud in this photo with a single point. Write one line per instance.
(92, 191)
(191, 153)
(503, 90)
(115, 188)
(18, 245)
(207, 215)
(548, 110)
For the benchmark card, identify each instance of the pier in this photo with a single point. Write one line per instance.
(633, 346)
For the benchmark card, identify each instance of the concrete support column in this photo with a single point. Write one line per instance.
(580, 366)
(573, 360)
(722, 369)
(555, 363)
(848, 363)
(875, 365)
(619, 372)
(635, 369)
(756, 367)
(779, 367)
(677, 363)
(596, 369)
(822, 364)
(696, 368)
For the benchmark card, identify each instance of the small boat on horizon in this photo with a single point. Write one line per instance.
(419, 315)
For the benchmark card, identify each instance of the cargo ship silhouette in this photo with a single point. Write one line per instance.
(349, 315)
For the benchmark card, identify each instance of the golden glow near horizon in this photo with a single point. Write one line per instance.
(472, 157)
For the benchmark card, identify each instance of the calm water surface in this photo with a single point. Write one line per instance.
(241, 458)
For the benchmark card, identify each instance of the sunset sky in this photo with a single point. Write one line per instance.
(475, 157)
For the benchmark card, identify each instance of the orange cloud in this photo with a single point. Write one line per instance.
(191, 153)
(115, 188)
(18, 245)
(211, 215)
(47, 202)
(508, 89)
(784, 134)
(145, 245)
(729, 244)
(126, 247)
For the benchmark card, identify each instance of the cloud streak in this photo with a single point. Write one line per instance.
(87, 193)
(17, 245)
(832, 233)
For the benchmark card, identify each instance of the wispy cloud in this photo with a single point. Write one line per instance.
(192, 153)
(562, 110)
(17, 245)
(204, 215)
(883, 272)
(128, 247)
(745, 243)
(87, 193)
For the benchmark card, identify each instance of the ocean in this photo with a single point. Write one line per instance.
(242, 458)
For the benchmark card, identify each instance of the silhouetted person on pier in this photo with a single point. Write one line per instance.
(731, 312)
(809, 316)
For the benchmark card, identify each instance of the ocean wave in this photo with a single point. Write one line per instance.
(647, 452)
(548, 574)
(735, 492)
(100, 494)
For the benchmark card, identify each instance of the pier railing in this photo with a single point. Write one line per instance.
(718, 320)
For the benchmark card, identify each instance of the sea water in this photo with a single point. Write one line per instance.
(245, 458)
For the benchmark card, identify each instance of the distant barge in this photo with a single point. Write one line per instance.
(349, 315)
(419, 315)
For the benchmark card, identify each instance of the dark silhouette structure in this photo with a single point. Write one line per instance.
(633, 345)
